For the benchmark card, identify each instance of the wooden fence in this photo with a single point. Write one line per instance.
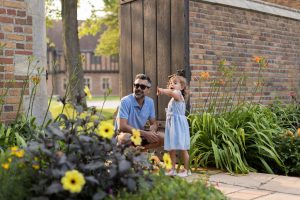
(154, 41)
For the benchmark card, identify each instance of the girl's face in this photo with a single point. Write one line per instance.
(175, 84)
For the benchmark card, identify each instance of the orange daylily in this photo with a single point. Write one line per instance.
(204, 75)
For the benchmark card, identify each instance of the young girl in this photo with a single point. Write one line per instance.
(177, 135)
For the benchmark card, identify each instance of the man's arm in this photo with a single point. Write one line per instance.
(124, 126)
(153, 125)
(149, 135)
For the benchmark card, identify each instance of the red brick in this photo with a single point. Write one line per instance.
(18, 77)
(18, 29)
(7, 27)
(29, 20)
(20, 46)
(28, 38)
(2, 11)
(28, 46)
(14, 4)
(1, 68)
(14, 92)
(28, 30)
(9, 76)
(14, 37)
(6, 20)
(20, 21)
(9, 52)
(8, 108)
(24, 52)
(6, 61)
(11, 12)
(1, 35)
(9, 68)
(21, 13)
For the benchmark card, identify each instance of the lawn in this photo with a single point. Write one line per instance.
(56, 108)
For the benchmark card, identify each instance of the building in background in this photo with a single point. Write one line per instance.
(100, 72)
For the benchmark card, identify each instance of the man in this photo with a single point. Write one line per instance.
(134, 111)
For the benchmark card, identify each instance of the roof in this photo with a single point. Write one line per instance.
(288, 3)
(54, 33)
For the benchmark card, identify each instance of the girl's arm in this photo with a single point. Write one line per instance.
(171, 93)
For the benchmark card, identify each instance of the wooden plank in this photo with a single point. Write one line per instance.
(150, 45)
(125, 51)
(163, 52)
(177, 35)
(126, 1)
(186, 48)
(137, 38)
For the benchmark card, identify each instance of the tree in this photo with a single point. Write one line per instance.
(72, 51)
(108, 26)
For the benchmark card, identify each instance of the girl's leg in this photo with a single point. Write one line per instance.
(173, 158)
(186, 159)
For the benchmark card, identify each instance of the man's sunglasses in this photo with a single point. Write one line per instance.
(140, 86)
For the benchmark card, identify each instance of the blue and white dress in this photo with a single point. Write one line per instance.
(177, 134)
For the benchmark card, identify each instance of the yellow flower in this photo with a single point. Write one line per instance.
(87, 92)
(9, 160)
(136, 137)
(154, 160)
(105, 130)
(36, 166)
(289, 133)
(14, 149)
(73, 181)
(20, 153)
(35, 80)
(5, 166)
(167, 161)
(298, 132)
(83, 115)
(17, 152)
(204, 75)
(79, 128)
(94, 118)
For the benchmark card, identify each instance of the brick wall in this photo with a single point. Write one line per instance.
(16, 35)
(237, 35)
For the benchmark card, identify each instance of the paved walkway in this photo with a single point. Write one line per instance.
(256, 186)
(107, 104)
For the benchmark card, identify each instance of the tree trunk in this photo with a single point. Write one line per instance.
(75, 92)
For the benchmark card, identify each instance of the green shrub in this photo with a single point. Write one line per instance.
(288, 115)
(78, 145)
(168, 188)
(288, 148)
(238, 141)
(15, 180)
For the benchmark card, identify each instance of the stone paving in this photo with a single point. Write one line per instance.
(256, 186)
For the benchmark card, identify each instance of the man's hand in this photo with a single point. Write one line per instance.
(150, 136)
(153, 128)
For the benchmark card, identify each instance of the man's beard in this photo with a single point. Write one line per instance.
(139, 94)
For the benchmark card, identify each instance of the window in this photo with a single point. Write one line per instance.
(114, 58)
(87, 82)
(95, 59)
(105, 83)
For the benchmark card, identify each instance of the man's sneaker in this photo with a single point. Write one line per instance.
(172, 172)
(184, 173)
